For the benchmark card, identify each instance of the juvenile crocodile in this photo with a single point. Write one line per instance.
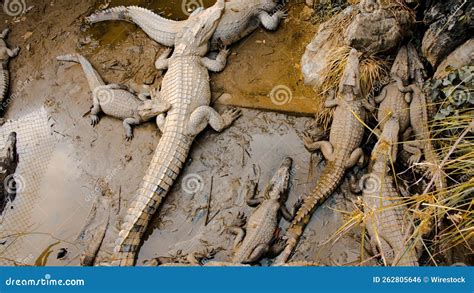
(240, 18)
(423, 144)
(386, 216)
(186, 87)
(116, 100)
(393, 100)
(8, 164)
(255, 241)
(342, 151)
(5, 55)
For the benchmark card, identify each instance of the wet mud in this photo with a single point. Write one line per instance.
(206, 197)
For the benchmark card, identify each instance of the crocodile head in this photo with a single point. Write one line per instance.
(8, 154)
(349, 87)
(400, 66)
(278, 185)
(152, 108)
(194, 38)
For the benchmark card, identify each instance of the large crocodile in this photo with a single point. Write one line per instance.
(5, 55)
(385, 213)
(240, 18)
(116, 100)
(262, 224)
(8, 164)
(342, 151)
(186, 87)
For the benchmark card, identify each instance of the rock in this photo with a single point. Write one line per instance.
(462, 56)
(315, 58)
(379, 31)
(450, 24)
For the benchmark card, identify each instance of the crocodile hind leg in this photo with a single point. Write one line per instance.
(413, 148)
(356, 158)
(325, 147)
(271, 22)
(127, 124)
(95, 111)
(163, 60)
(218, 64)
(238, 230)
(4, 33)
(205, 115)
(160, 122)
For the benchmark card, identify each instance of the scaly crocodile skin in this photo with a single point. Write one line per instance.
(342, 151)
(241, 17)
(5, 55)
(186, 88)
(386, 215)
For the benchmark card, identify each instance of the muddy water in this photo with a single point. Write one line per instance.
(85, 154)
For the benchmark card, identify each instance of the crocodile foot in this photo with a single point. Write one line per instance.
(94, 120)
(230, 115)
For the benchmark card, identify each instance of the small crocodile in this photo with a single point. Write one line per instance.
(342, 151)
(423, 145)
(8, 164)
(386, 215)
(116, 100)
(262, 224)
(186, 87)
(393, 100)
(240, 18)
(5, 55)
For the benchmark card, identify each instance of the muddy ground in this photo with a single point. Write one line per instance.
(57, 205)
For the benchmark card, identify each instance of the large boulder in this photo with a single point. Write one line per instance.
(450, 24)
(462, 56)
(376, 30)
(316, 57)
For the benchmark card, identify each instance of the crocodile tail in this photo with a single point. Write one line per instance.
(115, 13)
(4, 82)
(328, 182)
(169, 157)
(93, 78)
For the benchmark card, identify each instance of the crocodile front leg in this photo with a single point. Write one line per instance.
(286, 214)
(218, 64)
(4, 33)
(414, 148)
(205, 115)
(271, 22)
(127, 124)
(250, 187)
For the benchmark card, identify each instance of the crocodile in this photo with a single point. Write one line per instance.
(342, 151)
(240, 18)
(5, 55)
(386, 219)
(117, 100)
(8, 164)
(423, 144)
(186, 87)
(262, 224)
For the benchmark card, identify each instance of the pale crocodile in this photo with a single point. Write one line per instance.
(342, 151)
(5, 55)
(386, 215)
(116, 100)
(240, 18)
(255, 241)
(186, 87)
(8, 164)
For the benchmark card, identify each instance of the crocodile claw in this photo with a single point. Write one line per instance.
(129, 136)
(282, 14)
(94, 120)
(230, 115)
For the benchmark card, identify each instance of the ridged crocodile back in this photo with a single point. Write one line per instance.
(4, 83)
